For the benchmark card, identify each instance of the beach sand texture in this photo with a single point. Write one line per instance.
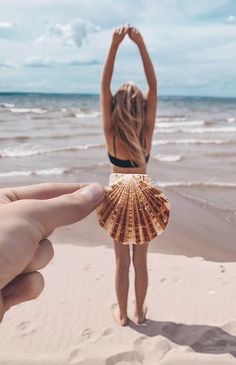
(191, 318)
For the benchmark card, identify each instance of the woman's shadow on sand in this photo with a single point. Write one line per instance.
(201, 338)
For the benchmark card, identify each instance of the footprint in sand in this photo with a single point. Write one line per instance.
(107, 332)
(139, 342)
(128, 357)
(155, 348)
(99, 277)
(87, 267)
(25, 327)
(163, 279)
(74, 356)
(87, 333)
(222, 269)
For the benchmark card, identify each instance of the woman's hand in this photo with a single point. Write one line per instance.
(119, 34)
(135, 35)
(29, 214)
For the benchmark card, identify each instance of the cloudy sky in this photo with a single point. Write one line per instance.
(60, 45)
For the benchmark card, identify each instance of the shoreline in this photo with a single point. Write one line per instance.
(188, 232)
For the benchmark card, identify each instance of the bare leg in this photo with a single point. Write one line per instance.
(122, 281)
(141, 280)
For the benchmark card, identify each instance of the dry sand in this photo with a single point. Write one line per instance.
(191, 300)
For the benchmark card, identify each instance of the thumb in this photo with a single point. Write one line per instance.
(67, 209)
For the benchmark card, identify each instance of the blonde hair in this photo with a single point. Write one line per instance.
(128, 120)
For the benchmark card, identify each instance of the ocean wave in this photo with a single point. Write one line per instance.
(213, 130)
(191, 141)
(174, 117)
(15, 173)
(28, 110)
(16, 138)
(74, 135)
(168, 158)
(7, 105)
(52, 171)
(54, 136)
(231, 120)
(180, 124)
(196, 130)
(23, 152)
(197, 184)
(90, 114)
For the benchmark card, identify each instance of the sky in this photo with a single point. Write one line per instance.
(60, 45)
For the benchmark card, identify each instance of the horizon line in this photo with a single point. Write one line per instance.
(97, 94)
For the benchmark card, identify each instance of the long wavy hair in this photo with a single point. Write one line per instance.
(128, 120)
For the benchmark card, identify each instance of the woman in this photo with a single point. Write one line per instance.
(128, 121)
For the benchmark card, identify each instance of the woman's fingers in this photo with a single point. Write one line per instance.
(122, 30)
(66, 209)
(23, 288)
(38, 191)
(26, 222)
(42, 256)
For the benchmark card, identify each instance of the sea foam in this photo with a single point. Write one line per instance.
(52, 171)
(26, 152)
(221, 129)
(191, 141)
(197, 184)
(28, 110)
(168, 158)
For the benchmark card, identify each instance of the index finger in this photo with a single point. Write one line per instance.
(38, 191)
(46, 215)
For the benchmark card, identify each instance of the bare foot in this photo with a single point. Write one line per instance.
(140, 319)
(122, 321)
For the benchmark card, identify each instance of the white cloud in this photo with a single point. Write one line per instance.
(74, 33)
(40, 62)
(8, 29)
(6, 25)
(231, 19)
(91, 62)
(6, 65)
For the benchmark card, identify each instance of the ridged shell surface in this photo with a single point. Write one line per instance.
(133, 210)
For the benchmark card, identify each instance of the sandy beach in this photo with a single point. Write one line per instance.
(191, 298)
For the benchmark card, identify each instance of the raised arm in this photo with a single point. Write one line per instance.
(151, 94)
(106, 96)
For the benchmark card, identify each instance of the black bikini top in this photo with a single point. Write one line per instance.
(123, 163)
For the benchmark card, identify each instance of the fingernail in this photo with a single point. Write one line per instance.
(93, 192)
(108, 189)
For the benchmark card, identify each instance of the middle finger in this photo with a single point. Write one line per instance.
(42, 256)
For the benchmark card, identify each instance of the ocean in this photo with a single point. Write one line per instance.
(59, 137)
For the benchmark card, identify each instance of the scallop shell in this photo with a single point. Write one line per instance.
(133, 211)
